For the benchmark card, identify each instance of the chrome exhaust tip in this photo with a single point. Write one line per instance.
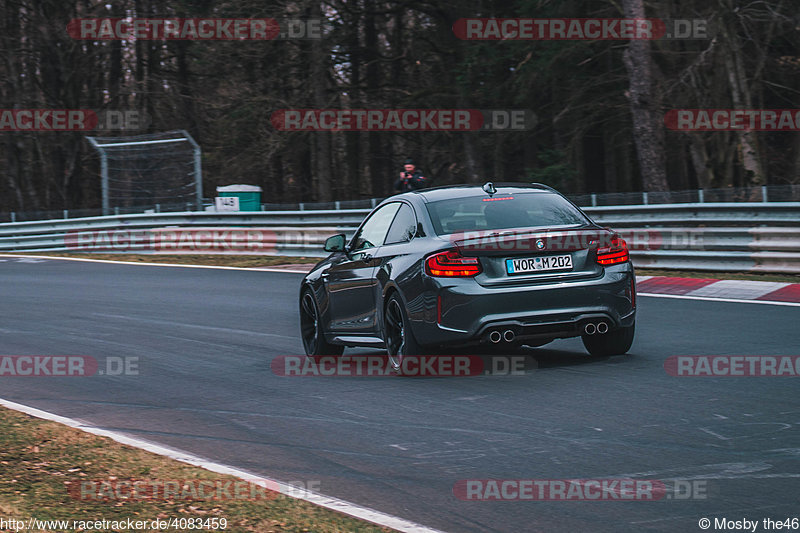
(495, 337)
(509, 335)
(590, 329)
(602, 327)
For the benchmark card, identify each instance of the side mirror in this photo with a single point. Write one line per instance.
(335, 243)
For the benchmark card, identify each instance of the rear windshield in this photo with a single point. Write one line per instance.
(503, 211)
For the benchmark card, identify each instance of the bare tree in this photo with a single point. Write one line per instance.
(645, 103)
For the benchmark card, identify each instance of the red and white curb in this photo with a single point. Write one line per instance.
(729, 290)
(726, 290)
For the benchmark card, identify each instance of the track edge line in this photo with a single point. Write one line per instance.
(328, 502)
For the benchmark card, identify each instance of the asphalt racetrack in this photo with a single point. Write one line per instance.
(205, 339)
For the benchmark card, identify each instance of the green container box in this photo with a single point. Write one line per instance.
(249, 196)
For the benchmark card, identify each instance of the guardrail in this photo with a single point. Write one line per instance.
(754, 237)
(727, 237)
(275, 233)
(766, 193)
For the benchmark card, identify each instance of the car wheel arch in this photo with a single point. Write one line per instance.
(308, 285)
(322, 305)
(388, 291)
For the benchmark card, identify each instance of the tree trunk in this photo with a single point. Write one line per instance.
(11, 93)
(470, 159)
(319, 77)
(645, 103)
(795, 178)
(377, 177)
(700, 161)
(352, 139)
(610, 162)
(741, 98)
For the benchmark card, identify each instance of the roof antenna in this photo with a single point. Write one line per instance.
(488, 188)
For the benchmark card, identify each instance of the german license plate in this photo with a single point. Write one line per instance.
(536, 264)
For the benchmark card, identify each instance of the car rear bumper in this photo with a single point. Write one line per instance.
(467, 312)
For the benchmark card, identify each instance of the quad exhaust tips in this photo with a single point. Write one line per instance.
(591, 328)
(508, 335)
(595, 326)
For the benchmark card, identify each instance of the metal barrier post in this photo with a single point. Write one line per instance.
(198, 170)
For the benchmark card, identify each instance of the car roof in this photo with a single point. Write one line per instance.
(449, 192)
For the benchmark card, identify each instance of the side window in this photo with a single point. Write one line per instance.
(403, 227)
(373, 232)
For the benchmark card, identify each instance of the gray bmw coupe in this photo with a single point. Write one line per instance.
(512, 264)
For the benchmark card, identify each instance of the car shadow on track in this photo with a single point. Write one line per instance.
(545, 357)
(513, 361)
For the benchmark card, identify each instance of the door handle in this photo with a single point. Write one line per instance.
(367, 258)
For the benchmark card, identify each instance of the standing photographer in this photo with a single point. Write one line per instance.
(411, 178)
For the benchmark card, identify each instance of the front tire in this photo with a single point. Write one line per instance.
(311, 330)
(616, 342)
(399, 338)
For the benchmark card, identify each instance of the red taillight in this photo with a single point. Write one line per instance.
(616, 253)
(452, 264)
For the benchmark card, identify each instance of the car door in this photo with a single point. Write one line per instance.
(350, 280)
(402, 230)
(396, 257)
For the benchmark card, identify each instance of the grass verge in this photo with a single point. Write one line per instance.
(40, 460)
(244, 261)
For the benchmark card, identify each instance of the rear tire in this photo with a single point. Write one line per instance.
(399, 338)
(311, 330)
(616, 342)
